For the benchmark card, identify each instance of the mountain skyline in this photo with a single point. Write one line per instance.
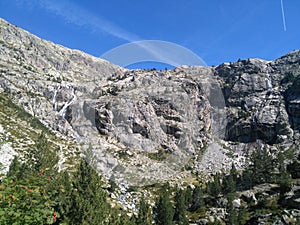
(215, 31)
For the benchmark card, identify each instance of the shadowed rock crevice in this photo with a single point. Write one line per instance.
(292, 102)
(142, 130)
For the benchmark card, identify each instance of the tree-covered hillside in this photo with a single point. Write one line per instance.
(34, 192)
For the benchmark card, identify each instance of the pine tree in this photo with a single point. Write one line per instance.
(246, 181)
(44, 157)
(262, 166)
(197, 199)
(144, 215)
(132, 220)
(125, 220)
(14, 168)
(284, 178)
(214, 188)
(232, 217)
(88, 200)
(229, 184)
(180, 209)
(294, 168)
(163, 211)
(64, 197)
(188, 197)
(242, 216)
(234, 172)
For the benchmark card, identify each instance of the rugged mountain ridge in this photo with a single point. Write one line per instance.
(147, 126)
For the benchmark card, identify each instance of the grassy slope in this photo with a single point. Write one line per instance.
(21, 130)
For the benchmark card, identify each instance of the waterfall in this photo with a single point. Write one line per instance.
(269, 82)
(54, 102)
(63, 111)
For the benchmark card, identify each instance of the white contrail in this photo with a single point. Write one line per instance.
(72, 13)
(283, 16)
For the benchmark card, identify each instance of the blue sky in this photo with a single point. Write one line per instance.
(216, 30)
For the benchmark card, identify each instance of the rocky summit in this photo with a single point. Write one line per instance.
(144, 126)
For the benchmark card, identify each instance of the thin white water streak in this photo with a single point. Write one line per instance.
(268, 81)
(63, 111)
(54, 102)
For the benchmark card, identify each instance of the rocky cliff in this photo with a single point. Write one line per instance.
(145, 126)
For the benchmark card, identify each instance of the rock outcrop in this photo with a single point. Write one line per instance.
(144, 126)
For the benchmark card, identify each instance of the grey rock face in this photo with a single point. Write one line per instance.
(146, 125)
(253, 92)
(155, 112)
(292, 97)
